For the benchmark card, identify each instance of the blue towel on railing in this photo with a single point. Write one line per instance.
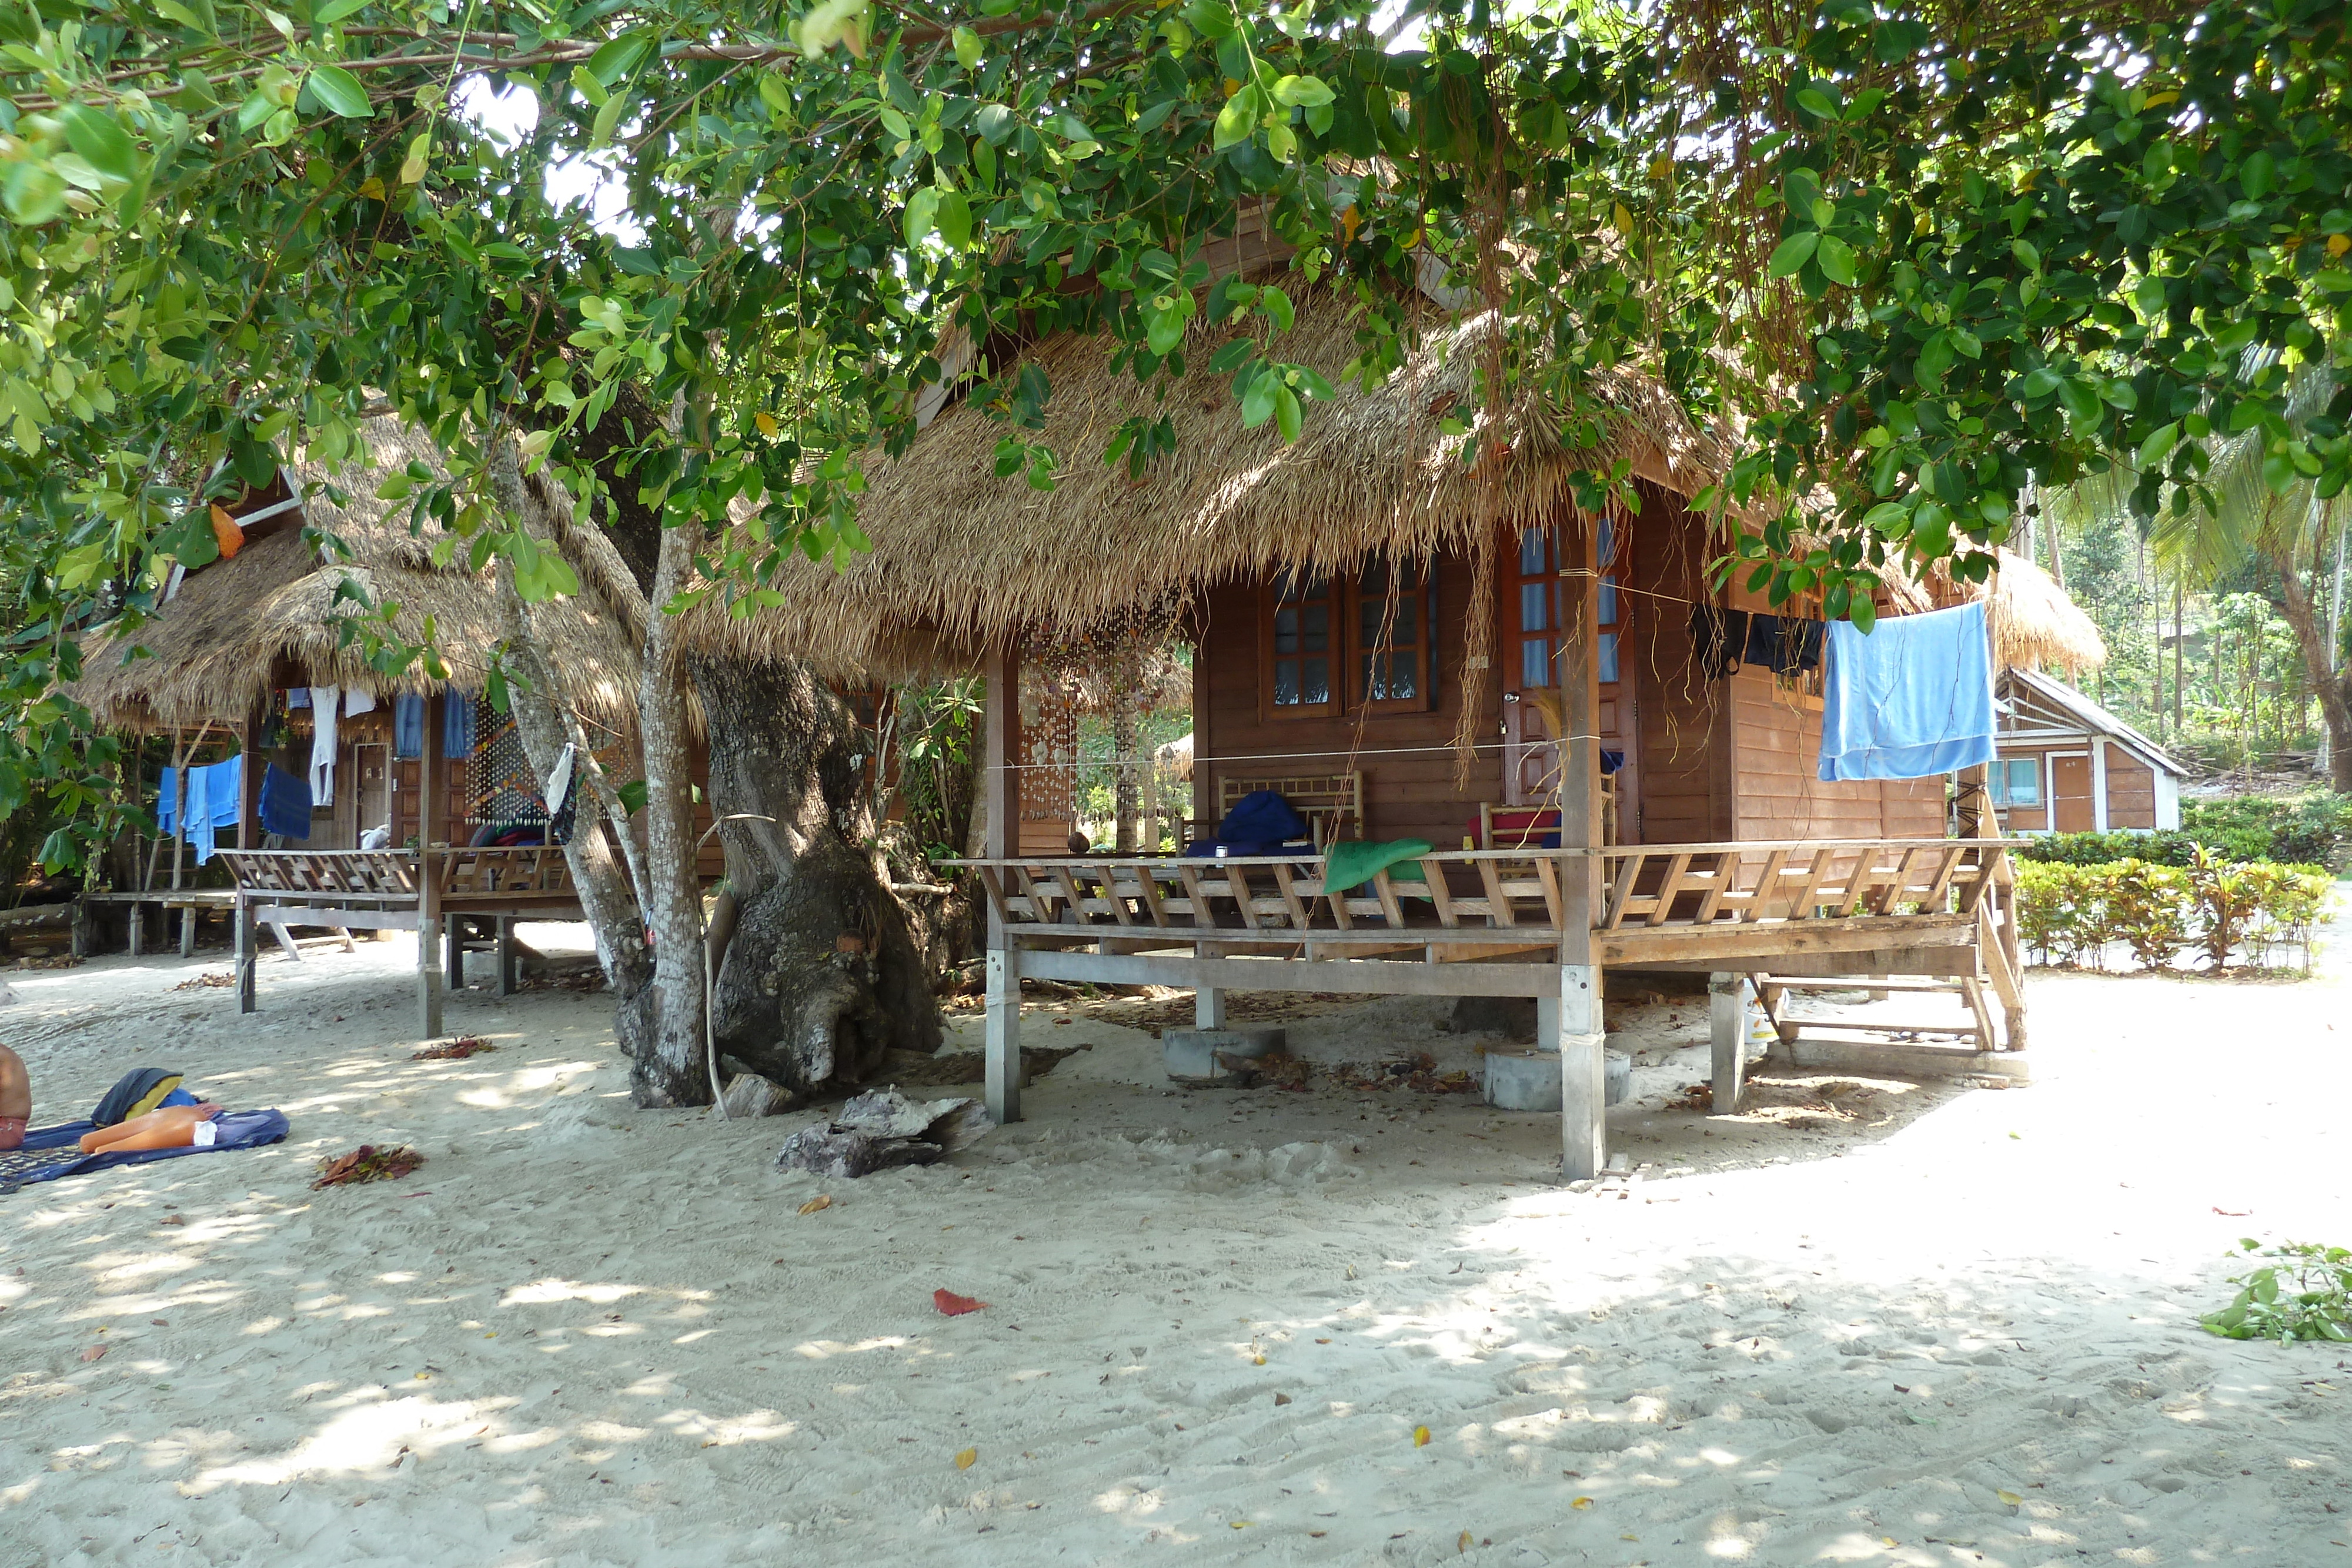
(1909, 699)
(213, 804)
(458, 725)
(285, 803)
(408, 725)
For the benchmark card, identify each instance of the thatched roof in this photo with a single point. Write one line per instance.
(268, 617)
(963, 557)
(2035, 624)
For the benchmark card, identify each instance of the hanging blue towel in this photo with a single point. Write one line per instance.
(1910, 700)
(408, 725)
(285, 803)
(167, 803)
(222, 786)
(458, 725)
(298, 698)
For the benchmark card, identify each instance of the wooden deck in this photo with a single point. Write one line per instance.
(1449, 916)
(437, 895)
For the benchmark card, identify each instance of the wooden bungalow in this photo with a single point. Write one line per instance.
(2069, 766)
(239, 660)
(1613, 764)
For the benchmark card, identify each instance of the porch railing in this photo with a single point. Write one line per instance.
(374, 877)
(1471, 903)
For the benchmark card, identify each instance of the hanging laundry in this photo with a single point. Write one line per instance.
(408, 725)
(285, 804)
(358, 702)
(1911, 698)
(323, 704)
(1784, 644)
(458, 725)
(222, 784)
(1723, 641)
(299, 697)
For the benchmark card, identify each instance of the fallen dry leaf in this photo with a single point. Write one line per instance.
(1421, 1436)
(94, 1352)
(1581, 1502)
(1258, 1361)
(967, 1459)
(1463, 1543)
(954, 1306)
(813, 1205)
(2010, 1497)
(1282, 1399)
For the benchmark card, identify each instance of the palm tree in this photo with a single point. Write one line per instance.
(2254, 506)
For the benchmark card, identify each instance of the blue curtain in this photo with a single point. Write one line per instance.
(408, 725)
(458, 725)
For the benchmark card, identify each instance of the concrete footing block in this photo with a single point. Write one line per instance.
(1529, 1080)
(1217, 1058)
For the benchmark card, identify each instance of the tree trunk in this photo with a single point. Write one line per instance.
(2318, 661)
(823, 975)
(671, 1067)
(547, 721)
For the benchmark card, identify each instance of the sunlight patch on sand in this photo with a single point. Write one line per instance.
(367, 1436)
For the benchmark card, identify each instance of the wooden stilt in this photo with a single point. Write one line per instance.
(138, 929)
(1582, 1037)
(248, 953)
(508, 979)
(1583, 1088)
(1727, 1026)
(431, 805)
(188, 932)
(453, 946)
(1208, 1007)
(1000, 783)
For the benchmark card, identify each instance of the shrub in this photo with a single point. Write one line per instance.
(2306, 1295)
(2221, 908)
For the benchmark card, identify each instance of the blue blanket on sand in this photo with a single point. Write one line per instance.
(52, 1152)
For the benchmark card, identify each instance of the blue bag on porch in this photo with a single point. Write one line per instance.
(285, 803)
(1260, 823)
(1910, 700)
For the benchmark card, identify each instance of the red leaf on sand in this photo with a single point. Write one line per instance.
(953, 1306)
(93, 1353)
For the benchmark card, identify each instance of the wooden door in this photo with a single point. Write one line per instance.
(2072, 809)
(372, 787)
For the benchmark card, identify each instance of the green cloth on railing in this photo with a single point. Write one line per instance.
(1350, 862)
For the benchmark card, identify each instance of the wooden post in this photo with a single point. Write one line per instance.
(1579, 1029)
(429, 810)
(1208, 1007)
(248, 783)
(188, 932)
(247, 951)
(1727, 1012)
(453, 946)
(1000, 781)
(507, 957)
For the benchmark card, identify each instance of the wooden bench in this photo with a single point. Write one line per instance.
(1330, 802)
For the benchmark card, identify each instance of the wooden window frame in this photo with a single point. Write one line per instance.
(1335, 651)
(1361, 648)
(2003, 798)
(1609, 595)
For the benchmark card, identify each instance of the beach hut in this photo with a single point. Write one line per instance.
(258, 655)
(1608, 762)
(2069, 766)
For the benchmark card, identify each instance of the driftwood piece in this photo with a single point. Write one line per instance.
(747, 1095)
(881, 1129)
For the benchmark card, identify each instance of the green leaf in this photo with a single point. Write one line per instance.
(1257, 401)
(334, 11)
(633, 795)
(1278, 307)
(1792, 253)
(341, 91)
(1237, 119)
(608, 119)
(1836, 257)
(1814, 101)
(954, 219)
(2081, 400)
(2257, 174)
(968, 50)
(994, 122)
(99, 137)
(615, 59)
(1288, 417)
(2159, 445)
(1302, 92)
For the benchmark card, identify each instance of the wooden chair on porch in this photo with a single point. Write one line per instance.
(1330, 802)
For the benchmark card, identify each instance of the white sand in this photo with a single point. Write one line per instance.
(585, 1334)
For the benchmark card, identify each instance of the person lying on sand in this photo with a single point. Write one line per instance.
(15, 1100)
(171, 1127)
